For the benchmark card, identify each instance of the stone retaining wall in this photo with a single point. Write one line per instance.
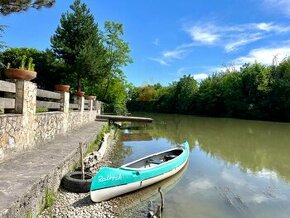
(26, 128)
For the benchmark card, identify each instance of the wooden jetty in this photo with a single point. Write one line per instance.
(136, 137)
(117, 118)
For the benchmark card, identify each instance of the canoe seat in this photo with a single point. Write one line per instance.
(152, 162)
(155, 161)
(169, 157)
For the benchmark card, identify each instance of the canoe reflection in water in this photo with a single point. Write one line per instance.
(139, 203)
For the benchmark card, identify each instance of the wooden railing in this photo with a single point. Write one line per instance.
(47, 100)
(8, 101)
(49, 104)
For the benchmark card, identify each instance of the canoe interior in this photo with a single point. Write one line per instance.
(154, 160)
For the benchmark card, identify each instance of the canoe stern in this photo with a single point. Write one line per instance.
(110, 177)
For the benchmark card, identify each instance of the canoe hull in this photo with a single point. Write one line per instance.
(108, 193)
(112, 182)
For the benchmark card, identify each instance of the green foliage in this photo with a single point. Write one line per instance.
(23, 61)
(185, 90)
(41, 110)
(81, 55)
(28, 214)
(8, 6)
(50, 70)
(93, 58)
(77, 42)
(111, 85)
(95, 145)
(30, 65)
(255, 91)
(49, 198)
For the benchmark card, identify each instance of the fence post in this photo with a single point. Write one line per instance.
(81, 103)
(90, 105)
(64, 107)
(25, 103)
(98, 107)
(64, 102)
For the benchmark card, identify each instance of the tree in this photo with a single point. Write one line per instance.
(8, 6)
(78, 42)
(117, 54)
(185, 90)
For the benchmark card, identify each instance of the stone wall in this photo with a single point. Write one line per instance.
(26, 129)
(12, 134)
(48, 125)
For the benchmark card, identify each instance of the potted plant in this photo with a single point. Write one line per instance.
(91, 97)
(25, 72)
(80, 93)
(62, 88)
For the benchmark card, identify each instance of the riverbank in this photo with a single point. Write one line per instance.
(29, 179)
(68, 204)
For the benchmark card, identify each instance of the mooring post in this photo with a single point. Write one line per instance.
(82, 161)
(162, 199)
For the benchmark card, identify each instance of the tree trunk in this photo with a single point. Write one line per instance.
(79, 84)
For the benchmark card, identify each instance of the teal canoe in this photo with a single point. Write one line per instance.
(111, 182)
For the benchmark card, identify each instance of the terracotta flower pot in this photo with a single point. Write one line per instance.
(20, 74)
(80, 93)
(90, 97)
(62, 88)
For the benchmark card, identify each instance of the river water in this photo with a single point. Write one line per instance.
(237, 168)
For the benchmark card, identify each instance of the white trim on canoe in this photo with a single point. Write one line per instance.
(107, 193)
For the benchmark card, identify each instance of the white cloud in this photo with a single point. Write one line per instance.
(184, 70)
(260, 55)
(265, 55)
(188, 70)
(232, 37)
(225, 68)
(243, 40)
(174, 54)
(168, 56)
(265, 173)
(233, 179)
(271, 27)
(200, 185)
(259, 198)
(200, 76)
(281, 5)
(205, 34)
(160, 61)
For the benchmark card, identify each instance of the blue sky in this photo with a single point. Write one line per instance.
(171, 38)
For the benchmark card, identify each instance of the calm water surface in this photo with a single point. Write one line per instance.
(237, 168)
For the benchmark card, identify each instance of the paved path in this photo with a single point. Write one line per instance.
(24, 177)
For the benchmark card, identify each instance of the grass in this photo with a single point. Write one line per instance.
(95, 145)
(28, 214)
(49, 198)
(41, 110)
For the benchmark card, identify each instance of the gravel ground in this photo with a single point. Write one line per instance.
(80, 205)
(134, 205)
(69, 204)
